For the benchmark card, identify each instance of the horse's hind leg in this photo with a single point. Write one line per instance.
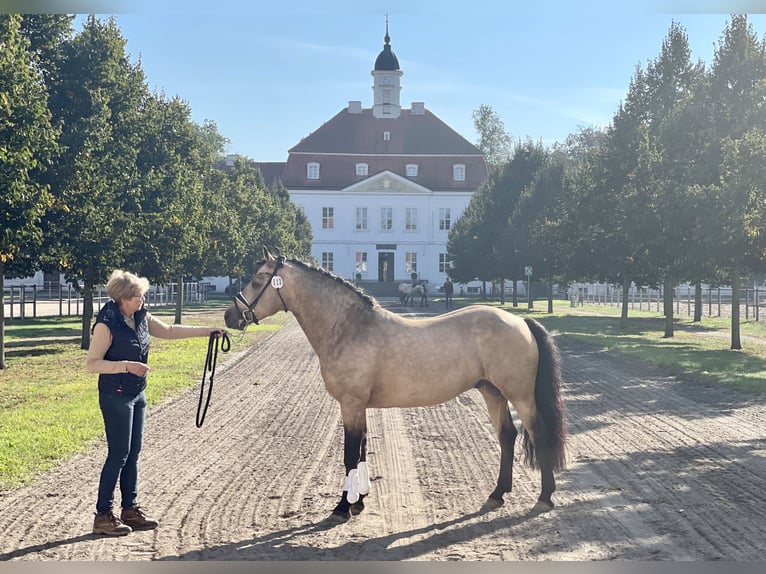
(500, 415)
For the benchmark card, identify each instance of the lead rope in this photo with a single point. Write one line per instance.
(210, 361)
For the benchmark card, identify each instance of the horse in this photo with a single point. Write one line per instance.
(503, 356)
(407, 292)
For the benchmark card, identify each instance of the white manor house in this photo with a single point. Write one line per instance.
(382, 186)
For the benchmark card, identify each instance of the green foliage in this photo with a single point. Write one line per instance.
(27, 142)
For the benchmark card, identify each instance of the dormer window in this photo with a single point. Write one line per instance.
(411, 169)
(458, 172)
(386, 136)
(361, 169)
(312, 170)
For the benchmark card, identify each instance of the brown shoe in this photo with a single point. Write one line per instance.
(110, 525)
(137, 519)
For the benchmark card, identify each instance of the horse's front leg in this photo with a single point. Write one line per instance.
(356, 481)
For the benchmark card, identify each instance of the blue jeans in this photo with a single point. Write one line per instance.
(124, 425)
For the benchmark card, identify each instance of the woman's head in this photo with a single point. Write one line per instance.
(124, 285)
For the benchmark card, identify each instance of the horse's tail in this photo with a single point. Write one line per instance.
(550, 423)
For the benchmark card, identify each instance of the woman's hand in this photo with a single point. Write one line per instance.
(138, 369)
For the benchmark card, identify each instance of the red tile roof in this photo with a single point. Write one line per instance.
(351, 138)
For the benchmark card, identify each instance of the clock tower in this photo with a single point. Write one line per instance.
(386, 82)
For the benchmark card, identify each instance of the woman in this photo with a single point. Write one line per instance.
(119, 350)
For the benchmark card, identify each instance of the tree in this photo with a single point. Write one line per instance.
(673, 150)
(27, 142)
(494, 142)
(736, 102)
(97, 97)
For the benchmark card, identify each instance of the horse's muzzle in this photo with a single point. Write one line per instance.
(234, 319)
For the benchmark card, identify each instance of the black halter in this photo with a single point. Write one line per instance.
(240, 298)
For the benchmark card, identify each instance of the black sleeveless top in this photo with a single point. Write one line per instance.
(127, 345)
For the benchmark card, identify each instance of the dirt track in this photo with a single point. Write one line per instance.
(659, 470)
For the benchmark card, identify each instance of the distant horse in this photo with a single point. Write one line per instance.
(506, 358)
(408, 292)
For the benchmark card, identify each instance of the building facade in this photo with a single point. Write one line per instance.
(383, 185)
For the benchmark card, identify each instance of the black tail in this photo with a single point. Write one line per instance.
(550, 424)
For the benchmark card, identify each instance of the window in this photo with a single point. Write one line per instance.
(444, 264)
(361, 169)
(328, 217)
(445, 219)
(386, 95)
(458, 172)
(411, 219)
(412, 169)
(361, 218)
(386, 218)
(327, 260)
(361, 262)
(312, 170)
(411, 262)
(386, 136)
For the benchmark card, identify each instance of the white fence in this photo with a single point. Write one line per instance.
(716, 301)
(30, 301)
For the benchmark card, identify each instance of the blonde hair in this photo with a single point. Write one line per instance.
(124, 285)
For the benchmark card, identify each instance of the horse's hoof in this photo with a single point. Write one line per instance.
(356, 508)
(542, 506)
(492, 504)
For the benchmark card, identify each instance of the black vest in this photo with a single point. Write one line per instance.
(127, 345)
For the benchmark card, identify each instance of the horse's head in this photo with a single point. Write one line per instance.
(260, 298)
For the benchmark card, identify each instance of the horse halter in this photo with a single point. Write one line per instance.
(275, 281)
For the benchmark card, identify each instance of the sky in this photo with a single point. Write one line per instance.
(269, 76)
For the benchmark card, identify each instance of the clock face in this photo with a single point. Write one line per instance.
(386, 81)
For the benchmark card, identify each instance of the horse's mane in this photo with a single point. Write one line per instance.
(368, 300)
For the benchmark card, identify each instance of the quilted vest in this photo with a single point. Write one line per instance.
(127, 345)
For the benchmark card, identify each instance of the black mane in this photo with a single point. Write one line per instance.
(368, 300)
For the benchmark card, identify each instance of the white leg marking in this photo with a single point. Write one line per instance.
(351, 486)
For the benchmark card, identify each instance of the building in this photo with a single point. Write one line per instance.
(383, 185)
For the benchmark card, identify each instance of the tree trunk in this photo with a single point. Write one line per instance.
(502, 291)
(624, 313)
(668, 305)
(697, 302)
(87, 313)
(515, 293)
(550, 295)
(2, 315)
(179, 298)
(735, 281)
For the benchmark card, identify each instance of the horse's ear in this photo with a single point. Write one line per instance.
(277, 252)
(267, 256)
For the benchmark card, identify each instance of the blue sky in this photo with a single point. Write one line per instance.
(269, 76)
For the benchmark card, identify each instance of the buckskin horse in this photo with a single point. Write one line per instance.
(506, 358)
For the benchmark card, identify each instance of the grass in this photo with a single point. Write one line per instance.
(49, 401)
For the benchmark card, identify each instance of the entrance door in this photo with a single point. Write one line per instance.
(385, 267)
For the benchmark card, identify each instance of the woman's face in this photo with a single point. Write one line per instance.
(131, 304)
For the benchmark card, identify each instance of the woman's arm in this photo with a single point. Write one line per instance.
(158, 328)
(99, 345)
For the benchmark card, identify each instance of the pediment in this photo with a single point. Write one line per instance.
(386, 182)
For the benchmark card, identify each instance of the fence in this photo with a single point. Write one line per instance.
(30, 301)
(716, 301)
